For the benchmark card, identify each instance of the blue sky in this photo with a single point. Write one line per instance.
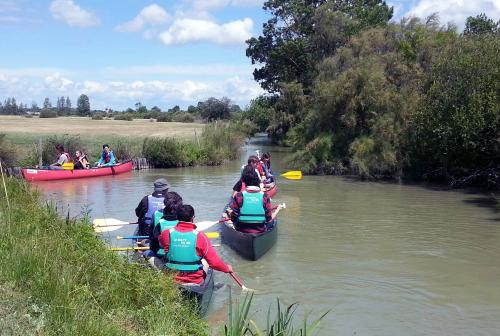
(162, 53)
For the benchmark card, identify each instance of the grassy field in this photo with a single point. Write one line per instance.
(24, 133)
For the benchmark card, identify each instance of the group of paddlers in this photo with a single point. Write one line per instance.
(65, 161)
(174, 241)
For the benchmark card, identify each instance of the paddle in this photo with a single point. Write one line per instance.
(293, 175)
(112, 224)
(238, 281)
(139, 248)
(209, 235)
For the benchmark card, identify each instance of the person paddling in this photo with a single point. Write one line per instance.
(251, 210)
(149, 204)
(107, 157)
(62, 158)
(250, 167)
(164, 220)
(186, 247)
(81, 161)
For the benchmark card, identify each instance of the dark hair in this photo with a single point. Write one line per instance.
(252, 159)
(250, 178)
(185, 213)
(267, 156)
(172, 202)
(105, 145)
(60, 147)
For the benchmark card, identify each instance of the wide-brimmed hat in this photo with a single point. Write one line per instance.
(161, 184)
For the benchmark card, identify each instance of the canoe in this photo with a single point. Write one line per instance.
(48, 174)
(271, 190)
(202, 293)
(250, 246)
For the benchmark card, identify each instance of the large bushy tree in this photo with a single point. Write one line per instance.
(83, 105)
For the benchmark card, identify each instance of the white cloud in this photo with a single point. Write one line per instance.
(195, 30)
(456, 11)
(152, 14)
(72, 14)
(58, 83)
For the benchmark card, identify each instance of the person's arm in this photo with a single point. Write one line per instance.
(101, 160)
(61, 160)
(142, 208)
(205, 250)
(164, 240)
(112, 159)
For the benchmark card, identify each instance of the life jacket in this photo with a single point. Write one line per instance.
(252, 210)
(154, 204)
(68, 157)
(260, 169)
(106, 156)
(164, 225)
(181, 254)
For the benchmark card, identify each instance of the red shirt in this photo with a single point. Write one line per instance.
(204, 249)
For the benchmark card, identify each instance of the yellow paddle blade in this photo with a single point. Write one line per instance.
(293, 175)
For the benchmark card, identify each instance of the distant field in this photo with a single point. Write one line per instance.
(25, 132)
(138, 128)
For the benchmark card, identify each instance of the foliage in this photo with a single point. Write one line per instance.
(239, 323)
(124, 116)
(481, 24)
(164, 117)
(215, 109)
(83, 105)
(7, 152)
(183, 117)
(75, 285)
(71, 144)
(456, 129)
(259, 112)
(97, 116)
(48, 114)
(291, 43)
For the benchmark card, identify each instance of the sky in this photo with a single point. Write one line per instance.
(163, 53)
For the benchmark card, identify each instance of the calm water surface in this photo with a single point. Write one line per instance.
(386, 259)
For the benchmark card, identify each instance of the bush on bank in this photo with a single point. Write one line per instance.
(218, 142)
(77, 286)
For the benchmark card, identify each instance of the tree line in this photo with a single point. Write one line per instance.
(208, 110)
(354, 93)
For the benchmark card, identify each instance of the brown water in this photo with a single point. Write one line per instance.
(387, 259)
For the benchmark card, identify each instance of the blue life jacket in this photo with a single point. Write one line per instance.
(181, 254)
(252, 210)
(154, 204)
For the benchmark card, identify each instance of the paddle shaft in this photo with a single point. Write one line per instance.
(238, 281)
(209, 235)
(121, 224)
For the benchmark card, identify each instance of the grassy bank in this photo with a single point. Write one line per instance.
(58, 278)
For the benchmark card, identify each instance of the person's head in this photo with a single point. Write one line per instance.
(78, 153)
(161, 185)
(253, 160)
(60, 148)
(105, 148)
(266, 158)
(172, 202)
(185, 213)
(250, 178)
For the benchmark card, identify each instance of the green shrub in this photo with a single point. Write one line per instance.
(71, 144)
(48, 114)
(164, 117)
(183, 117)
(97, 117)
(124, 116)
(7, 152)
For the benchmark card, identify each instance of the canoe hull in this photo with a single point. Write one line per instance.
(249, 245)
(272, 191)
(202, 292)
(49, 175)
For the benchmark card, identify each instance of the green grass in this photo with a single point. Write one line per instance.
(77, 286)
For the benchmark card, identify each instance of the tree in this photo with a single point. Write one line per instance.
(175, 109)
(215, 109)
(83, 105)
(287, 48)
(67, 105)
(47, 104)
(481, 24)
(192, 109)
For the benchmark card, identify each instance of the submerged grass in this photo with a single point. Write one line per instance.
(77, 285)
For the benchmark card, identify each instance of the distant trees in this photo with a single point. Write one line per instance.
(63, 106)
(481, 24)
(83, 105)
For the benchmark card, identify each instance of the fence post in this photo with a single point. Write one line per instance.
(40, 161)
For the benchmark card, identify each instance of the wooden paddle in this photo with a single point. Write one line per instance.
(238, 281)
(293, 175)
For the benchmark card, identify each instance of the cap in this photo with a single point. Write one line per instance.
(161, 184)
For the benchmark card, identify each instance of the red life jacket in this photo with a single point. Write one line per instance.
(107, 157)
(260, 169)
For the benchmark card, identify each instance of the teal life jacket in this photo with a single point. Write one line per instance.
(252, 210)
(165, 225)
(181, 254)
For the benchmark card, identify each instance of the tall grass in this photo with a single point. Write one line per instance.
(218, 143)
(79, 287)
(282, 324)
(7, 152)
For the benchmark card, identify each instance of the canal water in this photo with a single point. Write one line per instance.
(385, 259)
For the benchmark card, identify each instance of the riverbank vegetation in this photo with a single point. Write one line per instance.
(61, 280)
(355, 93)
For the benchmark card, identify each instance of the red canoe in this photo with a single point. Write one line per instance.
(272, 190)
(47, 174)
